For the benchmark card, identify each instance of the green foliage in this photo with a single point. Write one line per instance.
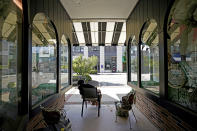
(134, 82)
(78, 65)
(124, 57)
(149, 83)
(11, 85)
(93, 61)
(42, 87)
(83, 66)
(87, 78)
(93, 72)
(64, 66)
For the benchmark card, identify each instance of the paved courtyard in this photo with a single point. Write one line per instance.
(111, 79)
(112, 85)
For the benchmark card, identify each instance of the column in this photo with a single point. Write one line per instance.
(85, 53)
(102, 59)
(119, 58)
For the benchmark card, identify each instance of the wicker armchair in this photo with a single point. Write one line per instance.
(123, 107)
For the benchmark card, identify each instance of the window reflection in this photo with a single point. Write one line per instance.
(134, 68)
(150, 57)
(64, 62)
(10, 60)
(44, 54)
(182, 54)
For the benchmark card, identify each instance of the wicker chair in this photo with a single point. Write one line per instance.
(123, 107)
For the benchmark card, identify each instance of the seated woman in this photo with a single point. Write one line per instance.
(82, 85)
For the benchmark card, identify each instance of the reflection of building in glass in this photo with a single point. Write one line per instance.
(64, 63)
(44, 55)
(8, 57)
(64, 58)
(10, 61)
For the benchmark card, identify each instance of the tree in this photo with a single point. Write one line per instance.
(93, 60)
(83, 66)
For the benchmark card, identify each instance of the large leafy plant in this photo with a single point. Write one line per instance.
(83, 66)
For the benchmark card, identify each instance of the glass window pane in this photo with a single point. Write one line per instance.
(64, 62)
(44, 54)
(150, 57)
(10, 61)
(134, 68)
(182, 56)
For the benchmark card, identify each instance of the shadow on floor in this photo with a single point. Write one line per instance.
(110, 84)
(106, 99)
(106, 122)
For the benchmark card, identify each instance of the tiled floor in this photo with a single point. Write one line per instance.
(106, 122)
(113, 87)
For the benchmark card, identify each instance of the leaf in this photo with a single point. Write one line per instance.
(83, 66)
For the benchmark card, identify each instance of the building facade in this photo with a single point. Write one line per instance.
(110, 58)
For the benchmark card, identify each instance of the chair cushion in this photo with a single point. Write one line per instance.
(120, 111)
(127, 100)
(91, 99)
(90, 93)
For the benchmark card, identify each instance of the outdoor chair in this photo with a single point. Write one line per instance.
(123, 107)
(91, 94)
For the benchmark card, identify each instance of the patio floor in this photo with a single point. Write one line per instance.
(106, 122)
(113, 87)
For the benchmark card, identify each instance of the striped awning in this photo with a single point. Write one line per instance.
(99, 33)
